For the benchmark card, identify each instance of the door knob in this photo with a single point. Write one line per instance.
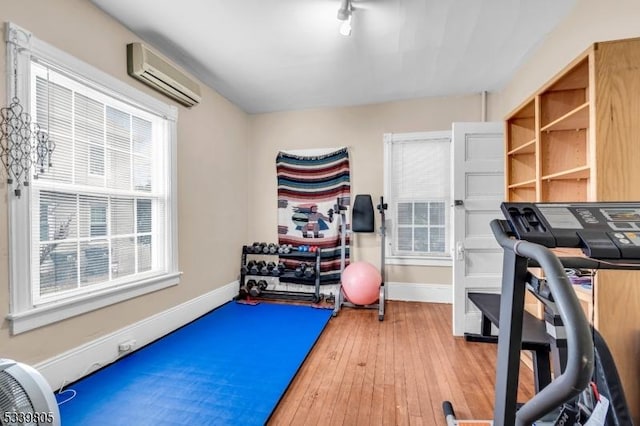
(459, 250)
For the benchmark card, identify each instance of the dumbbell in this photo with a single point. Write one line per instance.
(309, 272)
(258, 288)
(257, 267)
(300, 270)
(256, 247)
(285, 248)
(246, 269)
(273, 248)
(267, 268)
(278, 269)
(249, 285)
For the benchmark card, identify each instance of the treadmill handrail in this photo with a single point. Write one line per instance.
(580, 356)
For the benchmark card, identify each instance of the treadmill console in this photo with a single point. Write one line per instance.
(607, 230)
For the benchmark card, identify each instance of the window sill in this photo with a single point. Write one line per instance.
(48, 314)
(418, 261)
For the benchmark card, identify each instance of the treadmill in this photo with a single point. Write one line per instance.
(608, 234)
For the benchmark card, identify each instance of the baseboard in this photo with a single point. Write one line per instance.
(417, 292)
(76, 363)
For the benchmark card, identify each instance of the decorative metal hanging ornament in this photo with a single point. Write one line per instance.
(23, 144)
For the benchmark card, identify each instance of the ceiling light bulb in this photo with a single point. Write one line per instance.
(345, 27)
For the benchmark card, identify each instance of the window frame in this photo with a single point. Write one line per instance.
(419, 259)
(23, 314)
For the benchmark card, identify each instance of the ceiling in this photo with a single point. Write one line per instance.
(274, 55)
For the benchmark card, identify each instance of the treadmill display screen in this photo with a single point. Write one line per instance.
(622, 215)
(560, 217)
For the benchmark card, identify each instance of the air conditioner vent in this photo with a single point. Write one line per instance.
(158, 73)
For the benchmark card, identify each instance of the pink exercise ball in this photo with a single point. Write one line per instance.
(361, 283)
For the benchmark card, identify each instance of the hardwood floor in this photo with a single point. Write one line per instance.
(396, 372)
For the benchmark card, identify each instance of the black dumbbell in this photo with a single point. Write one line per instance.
(278, 269)
(256, 267)
(246, 269)
(273, 248)
(309, 272)
(300, 269)
(264, 270)
(257, 248)
(249, 285)
(258, 288)
(267, 268)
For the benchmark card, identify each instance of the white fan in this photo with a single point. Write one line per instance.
(25, 396)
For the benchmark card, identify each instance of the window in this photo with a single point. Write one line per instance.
(103, 214)
(417, 190)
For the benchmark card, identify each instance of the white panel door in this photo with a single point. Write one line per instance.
(478, 190)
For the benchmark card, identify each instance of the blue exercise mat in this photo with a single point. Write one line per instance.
(229, 367)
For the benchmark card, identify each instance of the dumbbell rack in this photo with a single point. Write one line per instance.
(288, 275)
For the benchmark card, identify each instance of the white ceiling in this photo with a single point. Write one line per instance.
(273, 55)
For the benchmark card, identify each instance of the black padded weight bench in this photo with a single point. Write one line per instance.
(534, 335)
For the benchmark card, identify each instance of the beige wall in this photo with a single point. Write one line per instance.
(590, 21)
(212, 148)
(361, 129)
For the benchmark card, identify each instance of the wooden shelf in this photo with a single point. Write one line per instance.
(526, 148)
(582, 172)
(526, 184)
(522, 194)
(521, 127)
(577, 118)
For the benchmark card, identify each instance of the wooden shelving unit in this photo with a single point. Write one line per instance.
(521, 153)
(578, 139)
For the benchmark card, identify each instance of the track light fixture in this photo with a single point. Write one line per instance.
(344, 14)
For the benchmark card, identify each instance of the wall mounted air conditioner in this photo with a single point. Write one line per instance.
(155, 71)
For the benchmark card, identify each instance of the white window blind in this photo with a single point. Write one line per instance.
(417, 187)
(101, 224)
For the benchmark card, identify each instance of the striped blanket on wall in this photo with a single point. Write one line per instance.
(309, 187)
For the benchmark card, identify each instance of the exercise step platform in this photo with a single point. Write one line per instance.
(534, 335)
